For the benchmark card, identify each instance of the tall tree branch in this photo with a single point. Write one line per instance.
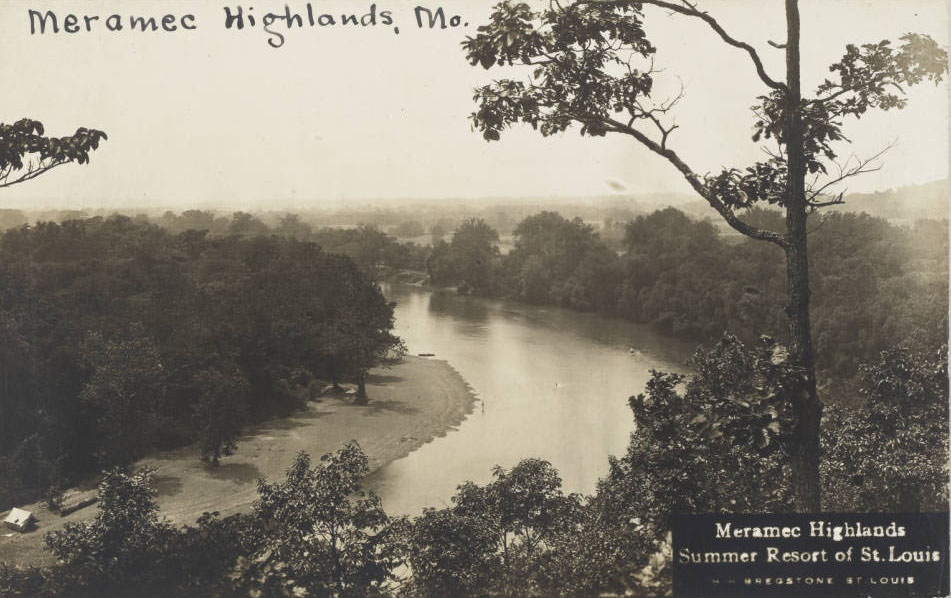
(724, 210)
(864, 86)
(30, 174)
(690, 10)
(846, 171)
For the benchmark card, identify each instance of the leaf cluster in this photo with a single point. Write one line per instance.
(870, 76)
(579, 58)
(25, 138)
(711, 442)
(320, 532)
(890, 453)
(119, 545)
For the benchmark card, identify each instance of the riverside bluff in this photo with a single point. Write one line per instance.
(410, 404)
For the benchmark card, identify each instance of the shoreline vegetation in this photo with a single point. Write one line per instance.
(411, 404)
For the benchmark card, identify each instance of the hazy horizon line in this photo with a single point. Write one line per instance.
(270, 205)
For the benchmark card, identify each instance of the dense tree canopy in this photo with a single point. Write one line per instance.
(119, 338)
(120, 544)
(718, 445)
(875, 284)
(891, 453)
(470, 260)
(319, 533)
(560, 260)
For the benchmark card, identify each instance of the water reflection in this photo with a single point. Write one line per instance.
(447, 303)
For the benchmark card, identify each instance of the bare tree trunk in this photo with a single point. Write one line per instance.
(334, 379)
(808, 408)
(362, 398)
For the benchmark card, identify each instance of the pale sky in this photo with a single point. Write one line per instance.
(218, 118)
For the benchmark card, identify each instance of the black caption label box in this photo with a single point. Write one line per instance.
(827, 554)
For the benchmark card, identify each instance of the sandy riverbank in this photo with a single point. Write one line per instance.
(410, 404)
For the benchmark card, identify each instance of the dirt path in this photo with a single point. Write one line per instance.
(410, 404)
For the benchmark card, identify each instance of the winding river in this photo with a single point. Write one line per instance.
(551, 383)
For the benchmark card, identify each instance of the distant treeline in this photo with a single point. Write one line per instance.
(875, 285)
(432, 219)
(118, 337)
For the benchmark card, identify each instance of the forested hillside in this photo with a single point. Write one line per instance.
(119, 337)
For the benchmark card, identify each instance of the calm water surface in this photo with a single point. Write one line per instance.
(551, 383)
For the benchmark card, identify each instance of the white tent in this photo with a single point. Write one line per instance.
(18, 519)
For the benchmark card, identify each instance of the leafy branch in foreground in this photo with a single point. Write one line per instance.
(321, 534)
(25, 153)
